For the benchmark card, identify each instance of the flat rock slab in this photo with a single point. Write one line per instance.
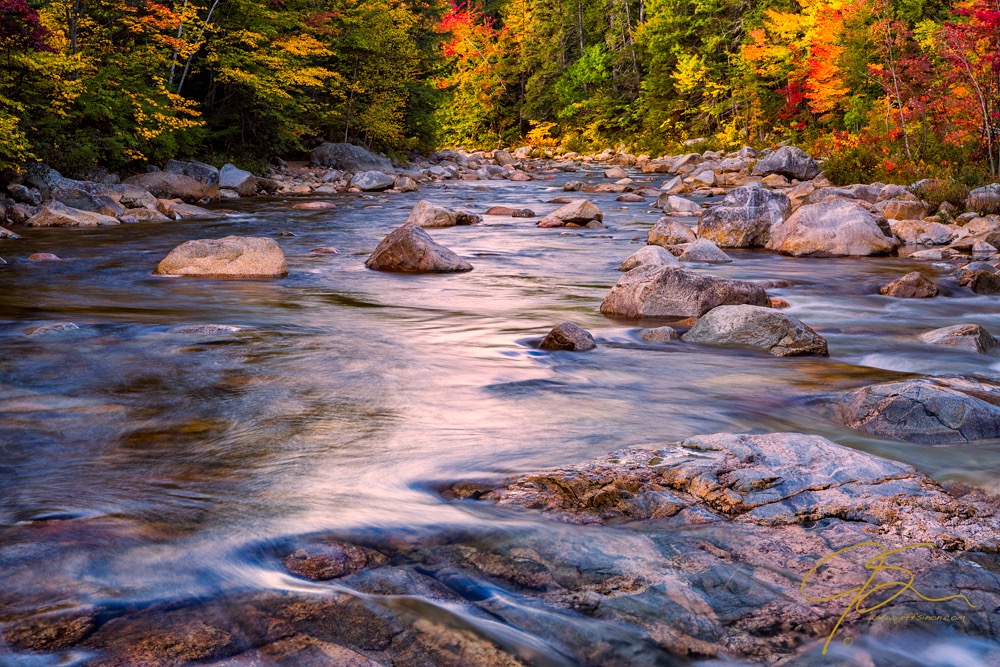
(410, 249)
(57, 214)
(939, 410)
(229, 257)
(671, 292)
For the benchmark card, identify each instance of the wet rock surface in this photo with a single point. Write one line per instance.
(935, 410)
(228, 257)
(568, 336)
(763, 328)
(670, 292)
(911, 286)
(410, 249)
(967, 337)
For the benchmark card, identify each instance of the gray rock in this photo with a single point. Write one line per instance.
(967, 337)
(568, 336)
(985, 199)
(410, 249)
(427, 214)
(762, 328)
(671, 292)
(7, 234)
(368, 181)
(650, 255)
(204, 173)
(572, 186)
(171, 185)
(935, 411)
(706, 252)
(678, 205)
(745, 218)
(503, 158)
(228, 257)
(239, 180)
(835, 228)
(56, 214)
(348, 157)
(980, 281)
(788, 161)
(24, 195)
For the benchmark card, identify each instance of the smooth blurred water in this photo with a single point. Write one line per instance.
(349, 394)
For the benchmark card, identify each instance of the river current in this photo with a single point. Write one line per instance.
(347, 397)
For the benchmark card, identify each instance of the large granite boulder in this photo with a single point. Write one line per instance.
(985, 199)
(788, 161)
(170, 185)
(228, 257)
(745, 218)
(204, 173)
(369, 181)
(935, 411)
(671, 292)
(427, 214)
(762, 328)
(239, 180)
(410, 249)
(57, 214)
(348, 157)
(835, 228)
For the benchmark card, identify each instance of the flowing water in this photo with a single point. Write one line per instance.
(348, 396)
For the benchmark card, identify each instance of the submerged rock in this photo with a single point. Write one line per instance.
(671, 292)
(967, 337)
(659, 334)
(410, 249)
(510, 212)
(228, 257)
(755, 326)
(568, 336)
(939, 410)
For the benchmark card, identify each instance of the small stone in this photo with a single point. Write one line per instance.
(659, 334)
(509, 212)
(568, 336)
(315, 206)
(45, 329)
(44, 257)
(325, 250)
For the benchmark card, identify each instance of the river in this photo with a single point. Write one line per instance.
(348, 397)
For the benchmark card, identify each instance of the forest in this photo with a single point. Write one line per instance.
(888, 90)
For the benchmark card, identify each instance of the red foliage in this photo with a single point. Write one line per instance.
(20, 27)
